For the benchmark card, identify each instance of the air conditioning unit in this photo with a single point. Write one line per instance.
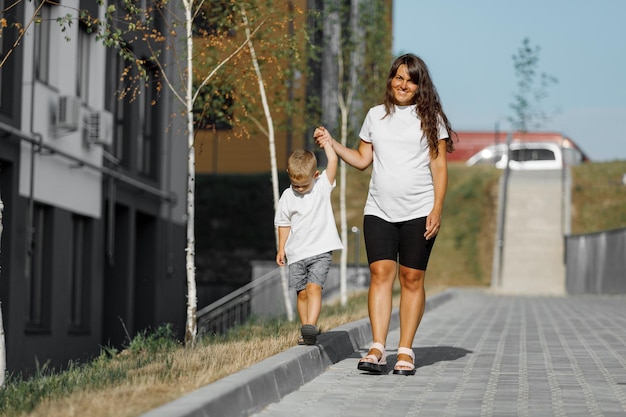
(99, 128)
(68, 113)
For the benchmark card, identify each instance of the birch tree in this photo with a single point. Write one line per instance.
(272, 149)
(252, 108)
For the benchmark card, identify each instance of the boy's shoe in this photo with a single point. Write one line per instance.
(301, 341)
(309, 334)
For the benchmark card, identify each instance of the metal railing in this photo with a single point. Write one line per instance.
(232, 309)
(595, 263)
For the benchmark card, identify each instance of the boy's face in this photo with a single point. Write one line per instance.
(303, 185)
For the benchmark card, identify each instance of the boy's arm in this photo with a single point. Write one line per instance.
(331, 156)
(283, 233)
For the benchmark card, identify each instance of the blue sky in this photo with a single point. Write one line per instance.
(468, 46)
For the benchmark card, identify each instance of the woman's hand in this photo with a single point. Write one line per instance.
(433, 224)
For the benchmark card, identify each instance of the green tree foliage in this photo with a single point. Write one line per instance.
(531, 89)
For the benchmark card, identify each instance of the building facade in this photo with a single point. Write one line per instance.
(94, 190)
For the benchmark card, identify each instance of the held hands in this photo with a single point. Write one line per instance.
(322, 137)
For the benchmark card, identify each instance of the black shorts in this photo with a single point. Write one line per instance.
(403, 242)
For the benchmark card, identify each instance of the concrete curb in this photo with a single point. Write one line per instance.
(251, 389)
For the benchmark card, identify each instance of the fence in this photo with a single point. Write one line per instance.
(263, 297)
(234, 308)
(596, 263)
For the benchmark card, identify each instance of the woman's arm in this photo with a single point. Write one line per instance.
(439, 169)
(359, 158)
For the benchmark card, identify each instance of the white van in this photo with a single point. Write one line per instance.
(524, 156)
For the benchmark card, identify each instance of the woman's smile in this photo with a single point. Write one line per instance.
(404, 89)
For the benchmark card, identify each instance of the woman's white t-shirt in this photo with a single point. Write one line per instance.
(401, 186)
(311, 219)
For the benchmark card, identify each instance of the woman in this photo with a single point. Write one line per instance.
(406, 139)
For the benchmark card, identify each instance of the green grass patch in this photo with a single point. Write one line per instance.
(598, 197)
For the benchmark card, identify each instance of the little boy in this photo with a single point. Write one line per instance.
(307, 233)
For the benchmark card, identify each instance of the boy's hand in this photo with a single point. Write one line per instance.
(321, 136)
(280, 258)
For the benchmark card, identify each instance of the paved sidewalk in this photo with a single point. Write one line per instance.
(489, 355)
(477, 353)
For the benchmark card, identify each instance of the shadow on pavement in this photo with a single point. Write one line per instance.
(426, 356)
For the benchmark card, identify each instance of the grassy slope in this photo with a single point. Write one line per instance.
(598, 197)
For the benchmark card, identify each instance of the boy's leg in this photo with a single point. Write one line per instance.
(302, 305)
(313, 304)
(297, 281)
(308, 331)
(317, 272)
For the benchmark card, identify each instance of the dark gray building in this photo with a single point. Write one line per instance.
(94, 193)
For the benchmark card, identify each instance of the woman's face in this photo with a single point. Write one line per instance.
(403, 88)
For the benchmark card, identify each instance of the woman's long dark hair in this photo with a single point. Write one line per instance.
(428, 104)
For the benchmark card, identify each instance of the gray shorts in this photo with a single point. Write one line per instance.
(310, 270)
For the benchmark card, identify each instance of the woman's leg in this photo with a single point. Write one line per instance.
(412, 303)
(383, 274)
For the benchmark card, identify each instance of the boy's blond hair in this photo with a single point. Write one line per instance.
(301, 164)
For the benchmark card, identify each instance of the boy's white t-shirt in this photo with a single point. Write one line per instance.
(310, 216)
(401, 186)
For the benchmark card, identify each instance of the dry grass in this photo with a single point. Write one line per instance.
(172, 373)
(165, 378)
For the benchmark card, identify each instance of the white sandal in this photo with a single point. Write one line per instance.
(408, 368)
(371, 363)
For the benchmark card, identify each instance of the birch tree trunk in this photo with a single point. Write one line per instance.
(3, 352)
(345, 102)
(272, 149)
(352, 47)
(191, 328)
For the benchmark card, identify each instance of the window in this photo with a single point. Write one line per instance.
(91, 7)
(532, 154)
(517, 155)
(146, 141)
(144, 135)
(42, 44)
(118, 106)
(80, 274)
(542, 155)
(82, 81)
(38, 274)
